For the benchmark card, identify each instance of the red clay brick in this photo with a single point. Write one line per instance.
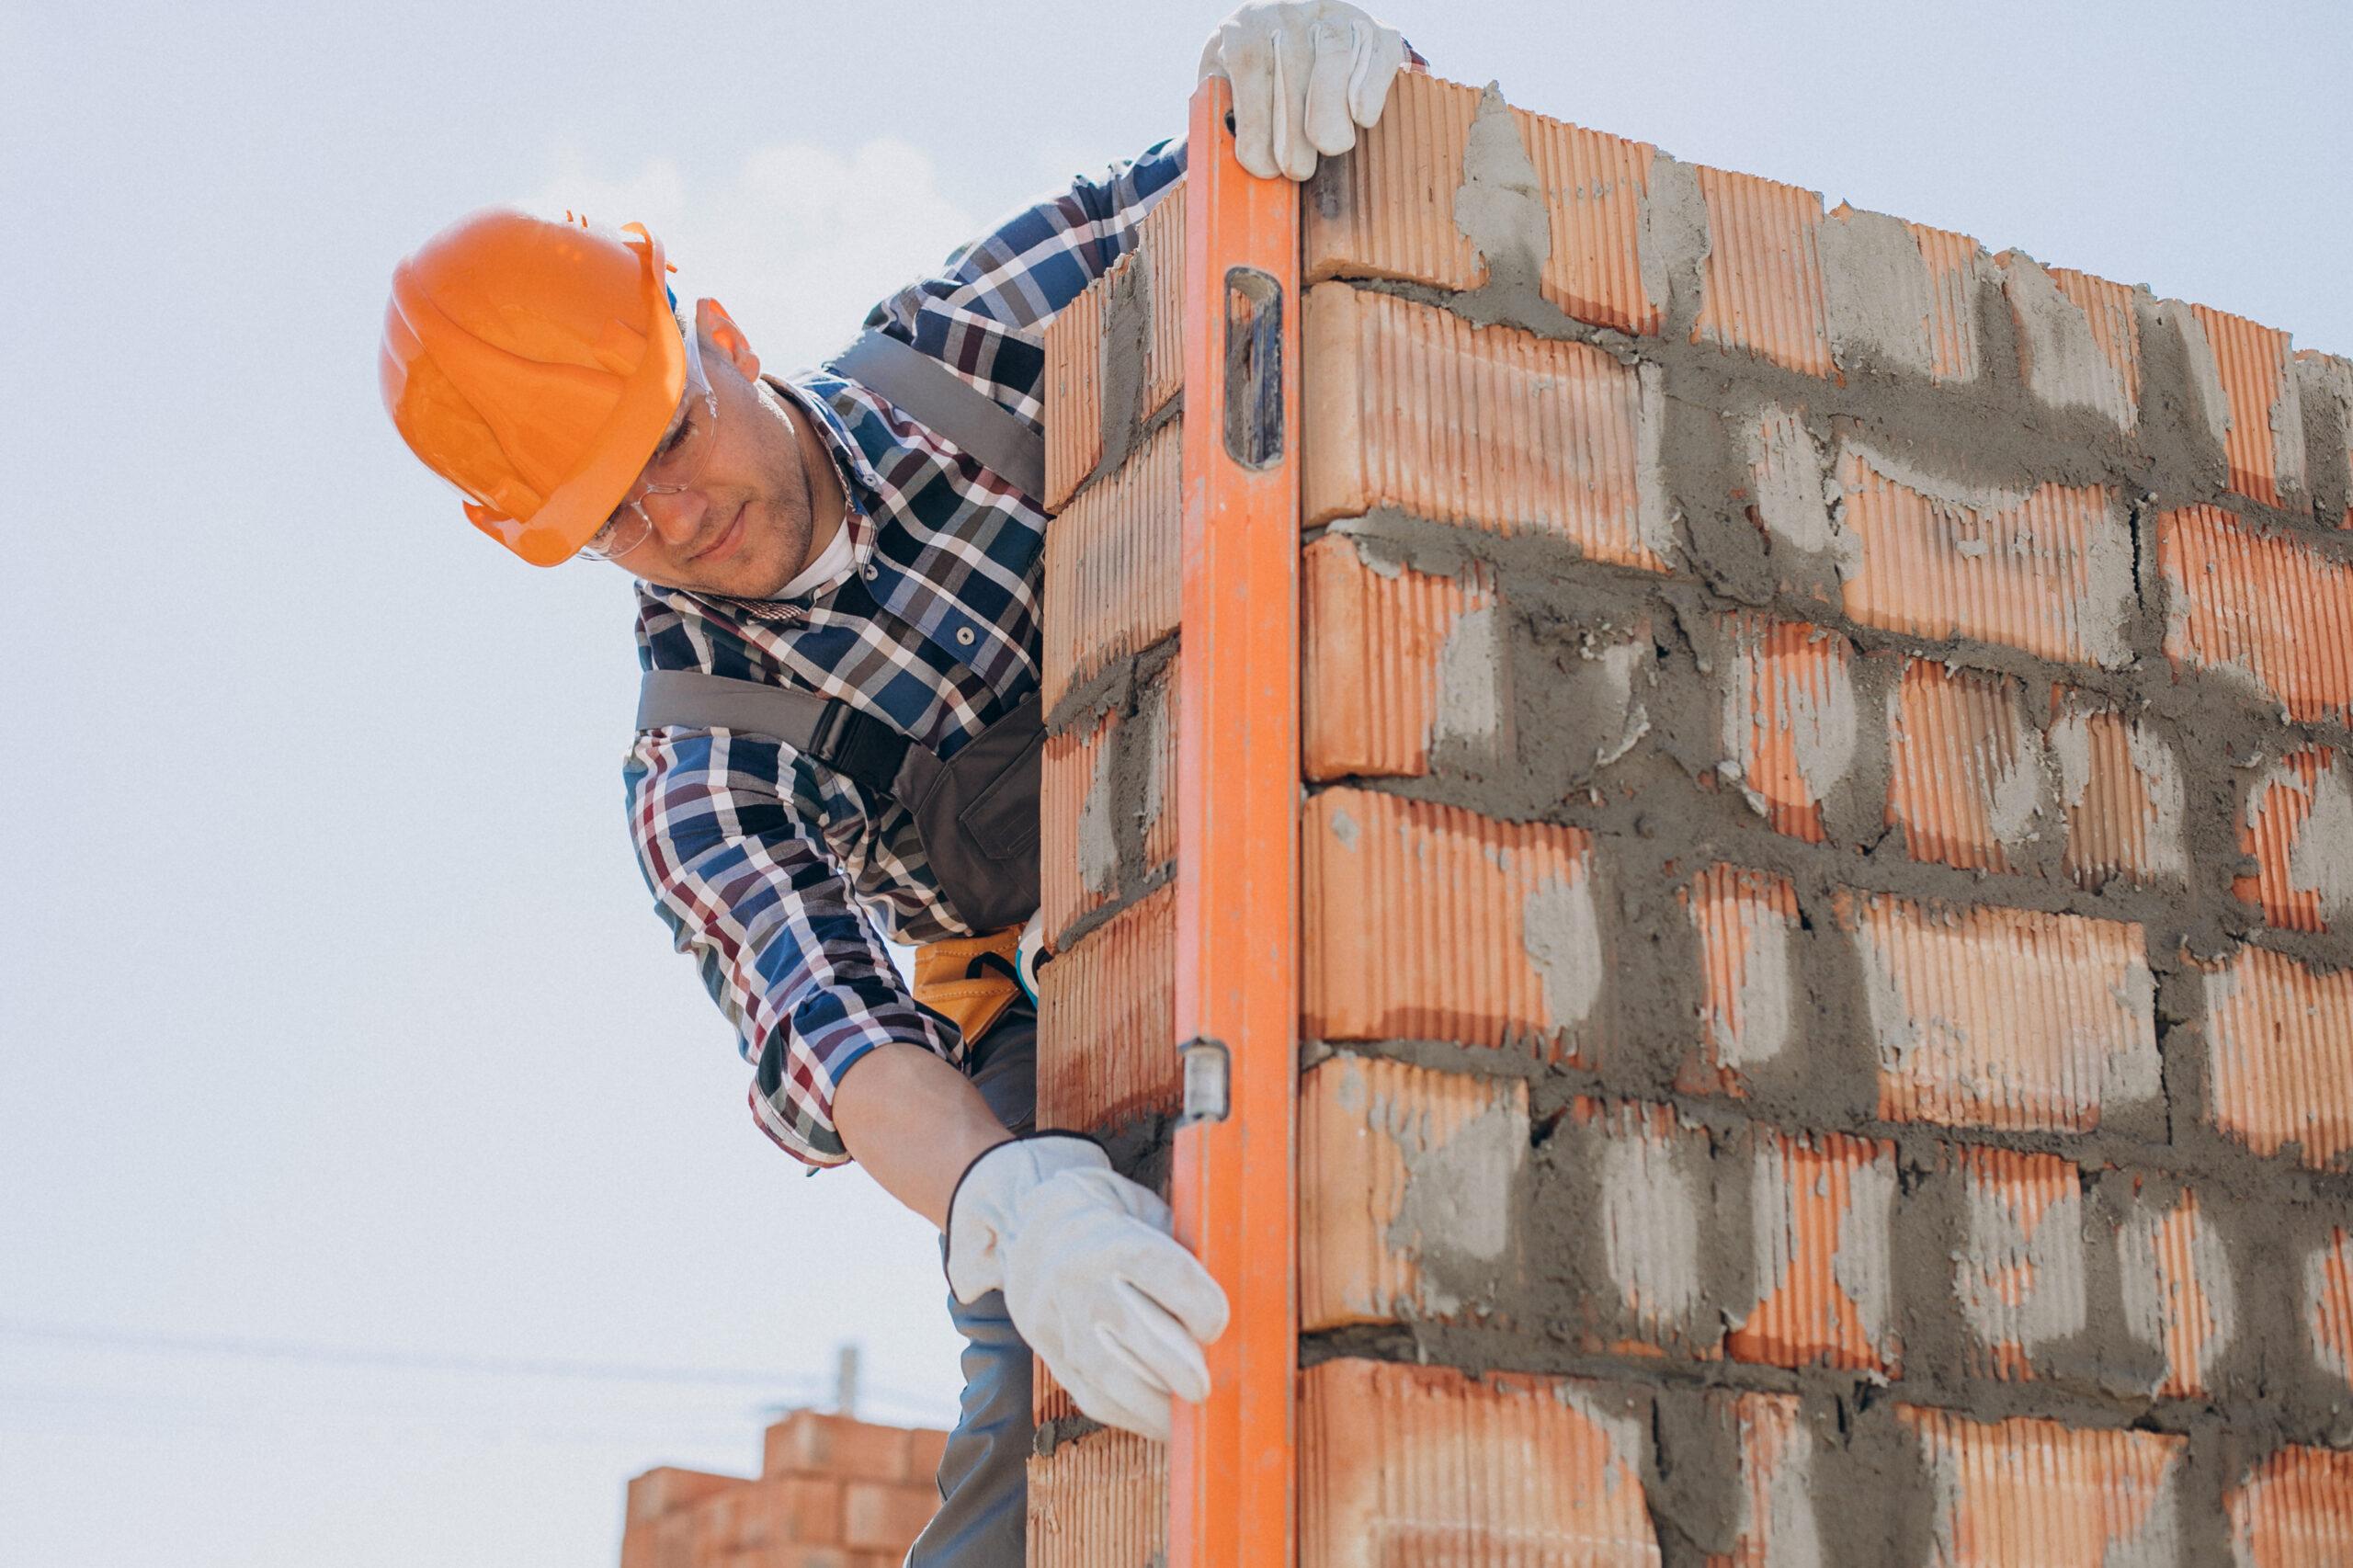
(2265, 444)
(1777, 1526)
(1388, 208)
(2266, 610)
(2078, 336)
(811, 1442)
(2049, 572)
(1653, 1167)
(2329, 1305)
(2119, 784)
(2011, 1492)
(1074, 347)
(1788, 500)
(1082, 812)
(2325, 380)
(2279, 1056)
(1101, 1499)
(1106, 1021)
(1820, 1209)
(2178, 1292)
(1378, 653)
(1748, 925)
(1790, 719)
(1113, 566)
(2005, 1018)
(1407, 406)
(2019, 1273)
(926, 1448)
(1368, 1130)
(657, 1491)
(1965, 767)
(1404, 1464)
(2295, 1511)
(882, 1516)
(2299, 826)
(1761, 287)
(1427, 922)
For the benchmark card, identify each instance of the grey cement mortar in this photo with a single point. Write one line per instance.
(1660, 810)
(2326, 387)
(1127, 329)
(1876, 295)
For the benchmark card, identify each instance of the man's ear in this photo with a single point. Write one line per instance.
(719, 329)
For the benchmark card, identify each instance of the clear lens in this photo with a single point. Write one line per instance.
(676, 463)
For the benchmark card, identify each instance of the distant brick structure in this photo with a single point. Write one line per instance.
(1826, 932)
(832, 1493)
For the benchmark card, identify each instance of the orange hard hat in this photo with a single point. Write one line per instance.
(535, 366)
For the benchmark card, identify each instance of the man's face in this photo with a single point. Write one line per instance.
(743, 528)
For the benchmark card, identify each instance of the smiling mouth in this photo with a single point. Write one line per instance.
(726, 535)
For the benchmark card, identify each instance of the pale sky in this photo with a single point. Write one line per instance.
(359, 1128)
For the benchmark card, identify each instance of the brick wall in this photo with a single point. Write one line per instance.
(1827, 851)
(832, 1493)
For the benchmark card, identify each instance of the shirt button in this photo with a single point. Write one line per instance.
(872, 573)
(964, 635)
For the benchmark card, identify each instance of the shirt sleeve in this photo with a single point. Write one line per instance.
(746, 885)
(984, 315)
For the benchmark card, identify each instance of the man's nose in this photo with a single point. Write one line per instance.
(677, 514)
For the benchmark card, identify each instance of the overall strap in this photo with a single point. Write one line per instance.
(852, 743)
(934, 396)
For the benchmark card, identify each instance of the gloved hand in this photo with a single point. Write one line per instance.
(1305, 74)
(1091, 1276)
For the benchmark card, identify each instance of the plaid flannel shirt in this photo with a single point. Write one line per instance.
(767, 866)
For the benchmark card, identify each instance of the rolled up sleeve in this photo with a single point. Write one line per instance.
(743, 878)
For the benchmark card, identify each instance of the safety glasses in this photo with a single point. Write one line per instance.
(676, 464)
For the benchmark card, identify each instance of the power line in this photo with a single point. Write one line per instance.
(318, 1354)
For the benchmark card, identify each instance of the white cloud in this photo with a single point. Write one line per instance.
(798, 240)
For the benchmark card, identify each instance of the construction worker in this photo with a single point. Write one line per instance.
(838, 610)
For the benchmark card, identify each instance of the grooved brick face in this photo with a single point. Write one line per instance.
(2295, 1511)
(1394, 662)
(2120, 787)
(2178, 1292)
(1427, 922)
(2279, 1056)
(2005, 1018)
(1901, 296)
(1790, 721)
(2298, 824)
(1655, 1193)
(2019, 1276)
(1777, 1527)
(1966, 775)
(1106, 1021)
(1142, 295)
(1387, 209)
(2078, 337)
(2266, 441)
(1409, 407)
(1404, 1464)
(2264, 610)
(1761, 285)
(1748, 930)
(1112, 567)
(1100, 1499)
(2022, 1491)
(2049, 570)
(1088, 823)
(2328, 1306)
(1398, 1163)
(1821, 1211)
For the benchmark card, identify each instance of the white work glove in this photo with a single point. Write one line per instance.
(1305, 74)
(1092, 1279)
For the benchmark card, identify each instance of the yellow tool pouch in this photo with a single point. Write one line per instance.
(951, 981)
